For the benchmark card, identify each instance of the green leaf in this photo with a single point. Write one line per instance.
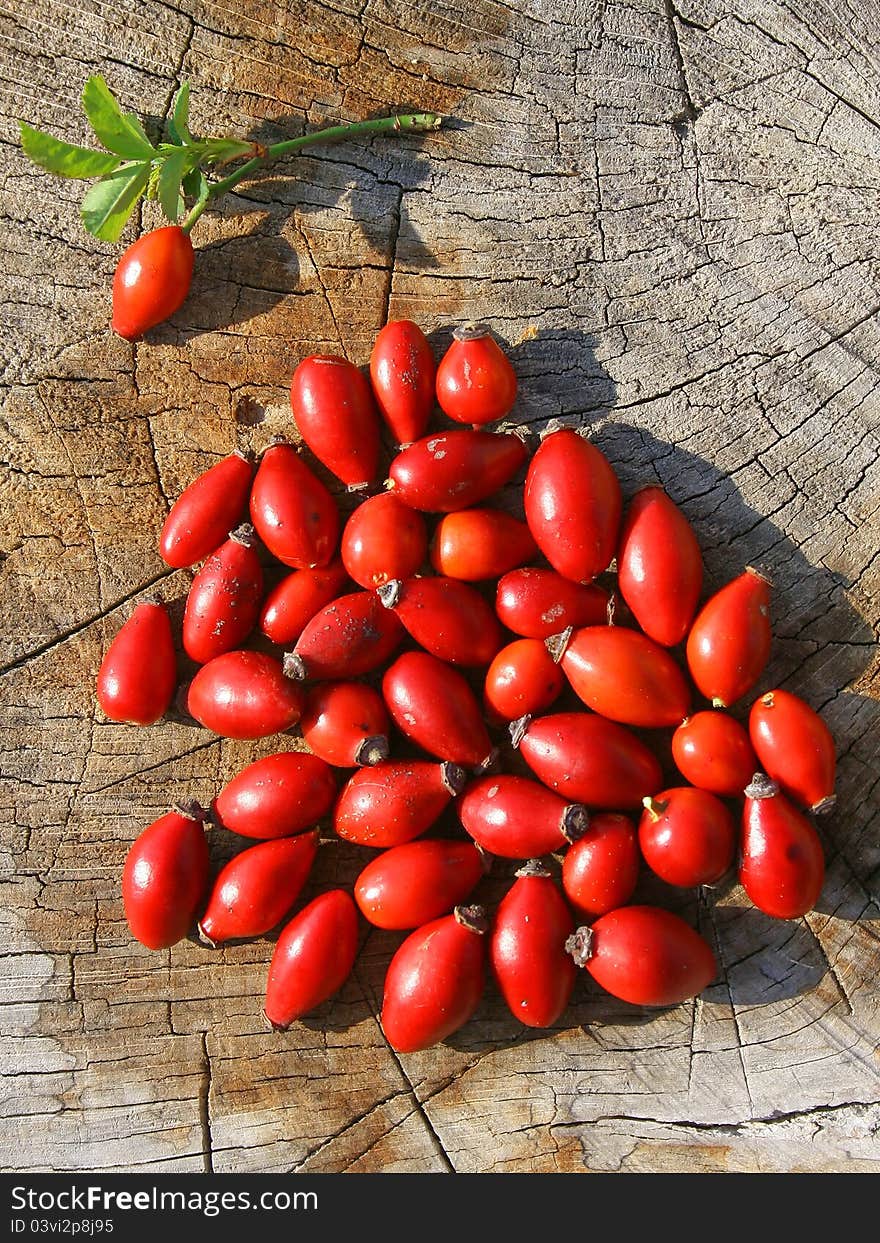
(123, 134)
(64, 158)
(178, 125)
(174, 168)
(108, 204)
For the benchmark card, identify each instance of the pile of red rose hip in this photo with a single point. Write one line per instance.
(448, 670)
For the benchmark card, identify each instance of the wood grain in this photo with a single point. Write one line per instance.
(670, 216)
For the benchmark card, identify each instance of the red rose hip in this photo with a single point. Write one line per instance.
(448, 618)
(395, 801)
(348, 638)
(335, 412)
(729, 642)
(402, 370)
(782, 865)
(523, 679)
(687, 836)
(712, 750)
(223, 603)
(476, 382)
(313, 958)
(455, 470)
(795, 747)
(477, 544)
(432, 704)
(244, 695)
(382, 540)
(165, 877)
(537, 603)
(600, 870)
(292, 512)
(659, 566)
(624, 676)
(151, 281)
(517, 818)
(256, 889)
(291, 605)
(346, 723)
(138, 675)
(277, 796)
(412, 884)
(211, 506)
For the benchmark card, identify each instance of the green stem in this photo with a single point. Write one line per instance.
(412, 122)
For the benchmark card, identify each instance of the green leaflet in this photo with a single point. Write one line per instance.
(178, 124)
(119, 132)
(173, 170)
(109, 203)
(64, 158)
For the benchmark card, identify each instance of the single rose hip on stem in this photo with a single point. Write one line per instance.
(151, 281)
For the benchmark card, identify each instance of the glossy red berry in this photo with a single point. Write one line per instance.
(527, 948)
(313, 958)
(402, 371)
(138, 675)
(523, 679)
(395, 801)
(244, 695)
(435, 980)
(412, 884)
(151, 281)
(346, 723)
(291, 605)
(292, 512)
(477, 544)
(455, 470)
(712, 751)
(224, 600)
(476, 382)
(517, 818)
(537, 603)
(203, 514)
(795, 748)
(346, 639)
(256, 889)
(335, 412)
(448, 618)
(277, 796)
(645, 955)
(165, 877)
(383, 539)
(433, 705)
(687, 836)
(625, 676)
(729, 642)
(659, 566)
(782, 867)
(573, 503)
(601, 869)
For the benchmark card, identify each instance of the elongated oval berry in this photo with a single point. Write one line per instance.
(346, 723)
(138, 675)
(256, 889)
(333, 406)
(527, 948)
(203, 514)
(292, 512)
(659, 566)
(517, 818)
(729, 642)
(523, 680)
(313, 958)
(587, 759)
(538, 603)
(435, 980)
(395, 801)
(645, 955)
(412, 884)
(454, 470)
(383, 539)
(292, 604)
(625, 676)
(687, 836)
(601, 869)
(277, 796)
(432, 704)
(151, 280)
(346, 639)
(782, 866)
(795, 748)
(448, 618)
(476, 544)
(476, 382)
(165, 877)
(224, 600)
(712, 751)
(402, 371)
(573, 504)
(244, 695)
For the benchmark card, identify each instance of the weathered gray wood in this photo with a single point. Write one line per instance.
(671, 216)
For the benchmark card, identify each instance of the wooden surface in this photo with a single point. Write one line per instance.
(670, 215)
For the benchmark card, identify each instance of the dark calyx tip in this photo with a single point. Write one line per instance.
(751, 569)
(534, 867)
(485, 858)
(557, 644)
(474, 918)
(155, 599)
(245, 534)
(278, 439)
(372, 751)
(389, 593)
(472, 330)
(824, 805)
(294, 667)
(204, 938)
(358, 487)
(453, 777)
(580, 945)
(191, 809)
(761, 786)
(489, 764)
(246, 455)
(575, 822)
(275, 1027)
(517, 730)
